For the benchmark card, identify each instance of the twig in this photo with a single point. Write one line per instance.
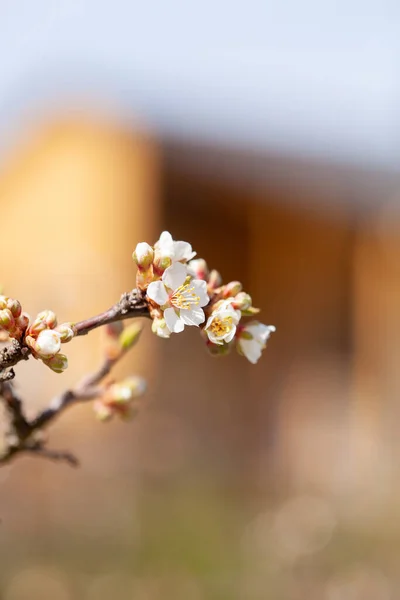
(131, 304)
(22, 435)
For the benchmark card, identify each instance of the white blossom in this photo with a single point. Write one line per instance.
(253, 339)
(221, 325)
(48, 343)
(176, 251)
(180, 298)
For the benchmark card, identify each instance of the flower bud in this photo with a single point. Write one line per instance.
(47, 344)
(159, 327)
(231, 289)
(44, 320)
(14, 306)
(242, 301)
(198, 269)
(3, 302)
(57, 363)
(66, 332)
(7, 321)
(130, 336)
(214, 280)
(143, 255)
(161, 263)
(22, 322)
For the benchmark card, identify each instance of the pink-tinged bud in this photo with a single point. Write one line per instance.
(57, 363)
(49, 317)
(22, 322)
(66, 332)
(44, 320)
(143, 255)
(7, 321)
(231, 289)
(198, 269)
(48, 344)
(130, 336)
(14, 306)
(242, 301)
(214, 280)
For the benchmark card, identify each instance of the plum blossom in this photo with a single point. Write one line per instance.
(176, 251)
(47, 344)
(221, 325)
(182, 299)
(252, 340)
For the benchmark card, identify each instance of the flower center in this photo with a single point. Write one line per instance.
(185, 297)
(221, 327)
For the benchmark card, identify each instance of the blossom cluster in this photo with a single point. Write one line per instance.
(181, 291)
(42, 336)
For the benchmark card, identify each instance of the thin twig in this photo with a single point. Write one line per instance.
(21, 436)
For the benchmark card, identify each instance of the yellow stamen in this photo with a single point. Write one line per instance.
(220, 327)
(185, 297)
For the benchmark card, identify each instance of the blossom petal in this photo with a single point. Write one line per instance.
(165, 244)
(251, 349)
(230, 335)
(259, 331)
(200, 289)
(156, 291)
(182, 250)
(173, 321)
(192, 316)
(165, 238)
(214, 339)
(175, 276)
(209, 321)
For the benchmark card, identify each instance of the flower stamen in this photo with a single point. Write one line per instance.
(185, 297)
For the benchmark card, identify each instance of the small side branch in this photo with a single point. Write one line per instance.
(24, 436)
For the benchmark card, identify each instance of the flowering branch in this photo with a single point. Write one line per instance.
(173, 290)
(26, 436)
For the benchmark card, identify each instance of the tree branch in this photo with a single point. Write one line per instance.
(24, 435)
(132, 304)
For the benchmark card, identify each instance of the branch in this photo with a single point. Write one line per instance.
(24, 436)
(132, 304)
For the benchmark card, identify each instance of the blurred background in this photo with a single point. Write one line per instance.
(267, 135)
